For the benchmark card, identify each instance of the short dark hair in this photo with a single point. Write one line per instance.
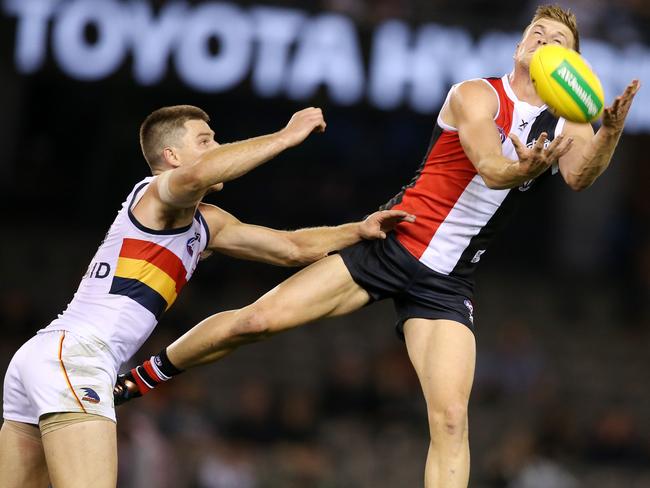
(557, 13)
(164, 127)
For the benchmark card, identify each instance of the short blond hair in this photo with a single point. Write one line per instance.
(166, 127)
(557, 13)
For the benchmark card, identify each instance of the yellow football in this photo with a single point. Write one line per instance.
(566, 83)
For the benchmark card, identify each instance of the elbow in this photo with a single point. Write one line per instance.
(578, 184)
(192, 181)
(490, 182)
(302, 257)
(580, 187)
(488, 178)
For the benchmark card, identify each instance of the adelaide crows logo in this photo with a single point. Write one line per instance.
(91, 396)
(191, 241)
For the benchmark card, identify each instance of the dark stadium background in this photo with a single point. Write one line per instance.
(562, 390)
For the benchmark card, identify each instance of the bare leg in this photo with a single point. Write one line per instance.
(22, 461)
(82, 454)
(443, 353)
(324, 289)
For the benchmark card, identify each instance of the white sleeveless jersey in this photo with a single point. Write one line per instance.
(134, 277)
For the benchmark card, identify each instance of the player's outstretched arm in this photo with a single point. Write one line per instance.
(471, 109)
(293, 248)
(591, 154)
(261, 244)
(184, 186)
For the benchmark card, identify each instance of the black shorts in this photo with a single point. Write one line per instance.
(385, 269)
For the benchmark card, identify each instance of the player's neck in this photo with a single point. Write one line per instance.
(523, 88)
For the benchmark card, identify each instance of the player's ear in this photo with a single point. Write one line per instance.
(171, 156)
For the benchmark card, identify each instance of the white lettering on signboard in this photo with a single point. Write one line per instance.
(215, 46)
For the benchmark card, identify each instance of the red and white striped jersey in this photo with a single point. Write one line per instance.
(457, 214)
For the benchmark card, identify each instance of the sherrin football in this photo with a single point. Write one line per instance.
(566, 83)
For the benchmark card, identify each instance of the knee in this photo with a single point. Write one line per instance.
(448, 421)
(253, 323)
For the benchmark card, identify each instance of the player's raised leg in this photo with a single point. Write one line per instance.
(443, 353)
(82, 453)
(22, 461)
(323, 289)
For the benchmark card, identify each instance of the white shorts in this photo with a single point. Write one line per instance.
(57, 371)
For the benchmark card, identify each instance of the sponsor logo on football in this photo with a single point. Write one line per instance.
(577, 87)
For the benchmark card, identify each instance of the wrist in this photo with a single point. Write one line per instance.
(282, 139)
(518, 172)
(610, 132)
(357, 230)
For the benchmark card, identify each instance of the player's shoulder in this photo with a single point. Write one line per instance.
(216, 217)
(475, 95)
(475, 88)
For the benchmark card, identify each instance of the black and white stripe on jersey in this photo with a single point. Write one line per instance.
(437, 132)
(544, 122)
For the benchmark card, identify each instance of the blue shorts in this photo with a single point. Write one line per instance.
(385, 269)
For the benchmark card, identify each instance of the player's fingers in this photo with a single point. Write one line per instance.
(632, 88)
(630, 96)
(519, 147)
(539, 143)
(388, 221)
(555, 143)
(398, 214)
(562, 149)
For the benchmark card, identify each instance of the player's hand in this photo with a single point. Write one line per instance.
(535, 160)
(125, 389)
(302, 124)
(614, 115)
(376, 225)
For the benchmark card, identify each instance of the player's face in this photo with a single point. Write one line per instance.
(540, 33)
(198, 139)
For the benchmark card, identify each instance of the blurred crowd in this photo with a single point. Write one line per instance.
(560, 398)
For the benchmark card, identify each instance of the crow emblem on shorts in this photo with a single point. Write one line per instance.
(470, 308)
(90, 396)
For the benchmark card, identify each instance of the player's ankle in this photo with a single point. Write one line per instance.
(154, 371)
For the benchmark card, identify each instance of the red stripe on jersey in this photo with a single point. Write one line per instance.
(445, 175)
(157, 255)
(506, 106)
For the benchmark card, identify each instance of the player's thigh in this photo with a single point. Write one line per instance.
(443, 353)
(323, 289)
(82, 454)
(22, 462)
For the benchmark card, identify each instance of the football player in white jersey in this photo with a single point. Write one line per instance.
(59, 420)
(434, 306)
